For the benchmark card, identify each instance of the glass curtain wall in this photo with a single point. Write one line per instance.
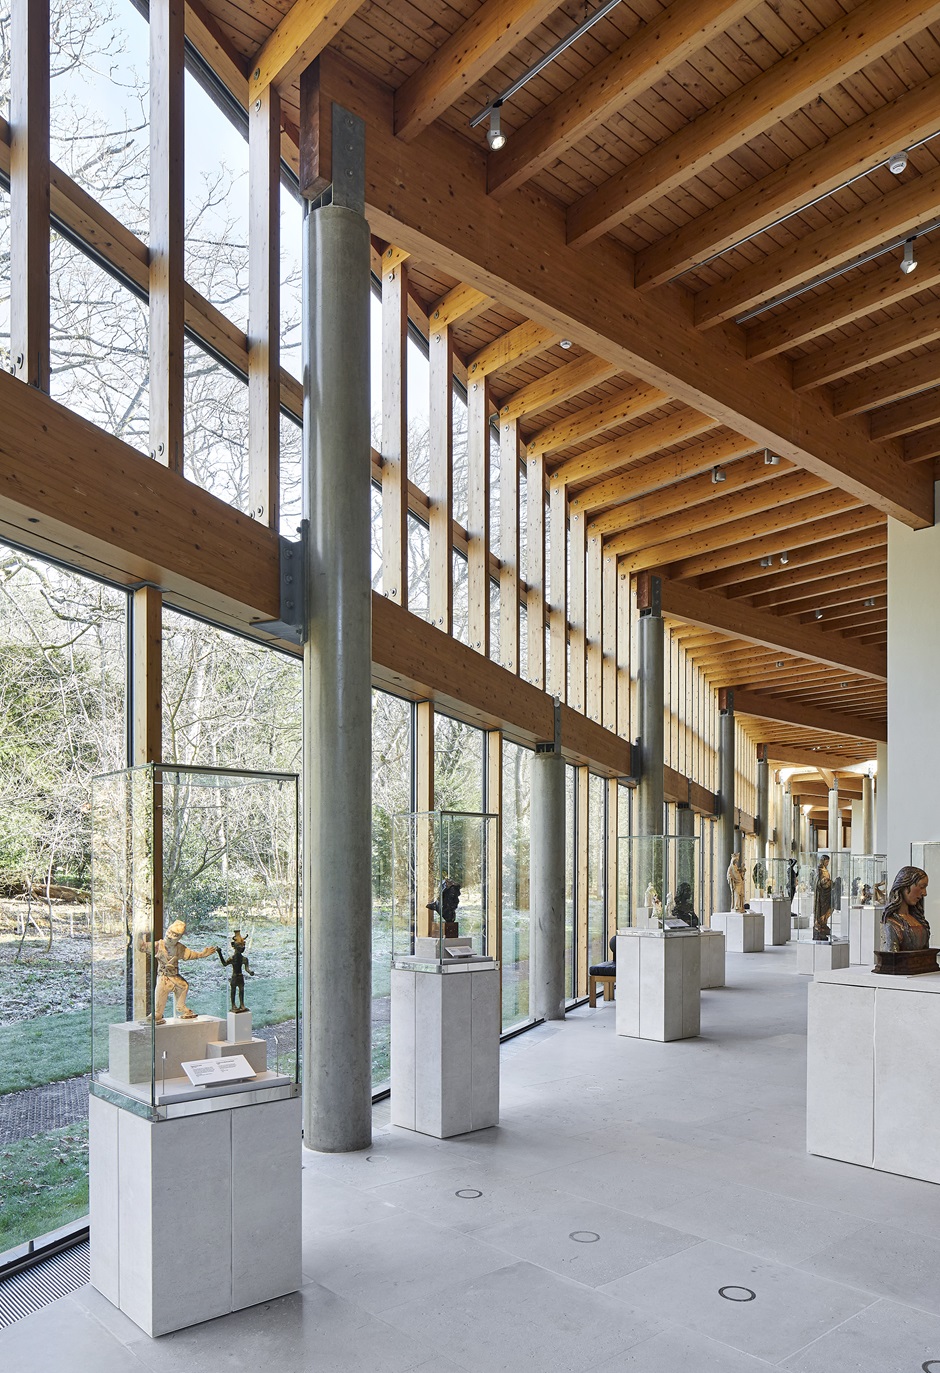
(596, 867)
(392, 794)
(516, 908)
(571, 879)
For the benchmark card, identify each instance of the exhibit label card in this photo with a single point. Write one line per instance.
(210, 1072)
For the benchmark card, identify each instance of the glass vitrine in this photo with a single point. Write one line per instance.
(869, 882)
(823, 896)
(445, 866)
(782, 877)
(659, 883)
(194, 954)
(926, 855)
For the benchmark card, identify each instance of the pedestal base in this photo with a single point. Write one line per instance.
(194, 1217)
(713, 958)
(129, 1046)
(429, 948)
(864, 934)
(255, 1050)
(743, 930)
(814, 957)
(776, 913)
(659, 984)
(873, 1049)
(445, 1027)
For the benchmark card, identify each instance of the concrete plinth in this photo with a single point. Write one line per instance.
(864, 933)
(776, 913)
(445, 1024)
(427, 947)
(238, 1027)
(813, 956)
(868, 1100)
(134, 1046)
(713, 958)
(743, 930)
(194, 1217)
(659, 984)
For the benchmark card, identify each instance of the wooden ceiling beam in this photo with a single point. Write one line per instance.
(892, 336)
(782, 756)
(213, 44)
(475, 48)
(459, 305)
(829, 601)
(427, 199)
(839, 581)
(556, 386)
(639, 443)
(510, 349)
(700, 521)
(769, 631)
(904, 416)
(788, 680)
(892, 383)
(837, 619)
(792, 713)
(670, 470)
(807, 562)
(821, 251)
(807, 523)
(303, 33)
(839, 51)
(853, 151)
(860, 295)
(783, 580)
(595, 418)
(662, 43)
(923, 444)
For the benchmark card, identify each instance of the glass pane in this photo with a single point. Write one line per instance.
(62, 719)
(215, 166)
(597, 917)
(419, 568)
(458, 765)
(571, 832)
(516, 910)
(5, 361)
(460, 465)
(290, 478)
(292, 219)
(215, 437)
(391, 794)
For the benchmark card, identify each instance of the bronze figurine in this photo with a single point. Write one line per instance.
(446, 907)
(238, 962)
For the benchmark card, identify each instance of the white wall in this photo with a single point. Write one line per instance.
(881, 800)
(913, 690)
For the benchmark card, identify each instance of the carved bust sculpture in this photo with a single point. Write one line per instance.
(903, 925)
(683, 908)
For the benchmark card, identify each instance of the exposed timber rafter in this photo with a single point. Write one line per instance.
(812, 717)
(429, 200)
(306, 29)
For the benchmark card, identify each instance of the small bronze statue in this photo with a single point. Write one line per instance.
(446, 907)
(683, 909)
(822, 901)
(793, 868)
(238, 962)
(905, 933)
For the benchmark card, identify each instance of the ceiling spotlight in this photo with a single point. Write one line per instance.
(818, 614)
(766, 562)
(784, 558)
(779, 663)
(771, 459)
(844, 685)
(897, 163)
(718, 476)
(908, 261)
(869, 600)
(494, 134)
(564, 343)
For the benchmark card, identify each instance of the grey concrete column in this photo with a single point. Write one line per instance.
(337, 753)
(868, 813)
(764, 827)
(726, 770)
(651, 713)
(787, 825)
(547, 885)
(835, 818)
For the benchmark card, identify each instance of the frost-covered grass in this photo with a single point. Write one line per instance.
(44, 1183)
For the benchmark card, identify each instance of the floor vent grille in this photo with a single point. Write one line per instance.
(44, 1282)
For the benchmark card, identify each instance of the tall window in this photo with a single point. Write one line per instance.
(597, 830)
(571, 876)
(516, 908)
(391, 795)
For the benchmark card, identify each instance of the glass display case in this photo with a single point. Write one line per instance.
(782, 877)
(194, 952)
(659, 882)
(926, 855)
(824, 906)
(869, 881)
(445, 865)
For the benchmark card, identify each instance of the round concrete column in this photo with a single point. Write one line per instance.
(835, 818)
(337, 809)
(547, 883)
(764, 827)
(651, 717)
(726, 769)
(868, 813)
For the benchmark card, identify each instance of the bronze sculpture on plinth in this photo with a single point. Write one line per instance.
(239, 966)
(905, 933)
(446, 907)
(822, 901)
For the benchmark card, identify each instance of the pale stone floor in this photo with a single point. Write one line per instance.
(686, 1161)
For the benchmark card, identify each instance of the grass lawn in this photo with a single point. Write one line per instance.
(44, 1183)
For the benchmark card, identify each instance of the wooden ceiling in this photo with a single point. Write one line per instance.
(687, 253)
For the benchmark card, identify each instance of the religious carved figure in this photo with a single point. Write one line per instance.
(822, 901)
(169, 951)
(736, 882)
(238, 962)
(866, 894)
(792, 871)
(903, 925)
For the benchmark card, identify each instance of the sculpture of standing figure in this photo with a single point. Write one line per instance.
(822, 901)
(903, 925)
(239, 966)
(736, 882)
(168, 952)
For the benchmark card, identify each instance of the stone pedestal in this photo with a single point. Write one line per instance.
(873, 1051)
(129, 1046)
(712, 944)
(864, 933)
(197, 1216)
(254, 1050)
(659, 984)
(743, 930)
(776, 913)
(445, 1024)
(814, 957)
